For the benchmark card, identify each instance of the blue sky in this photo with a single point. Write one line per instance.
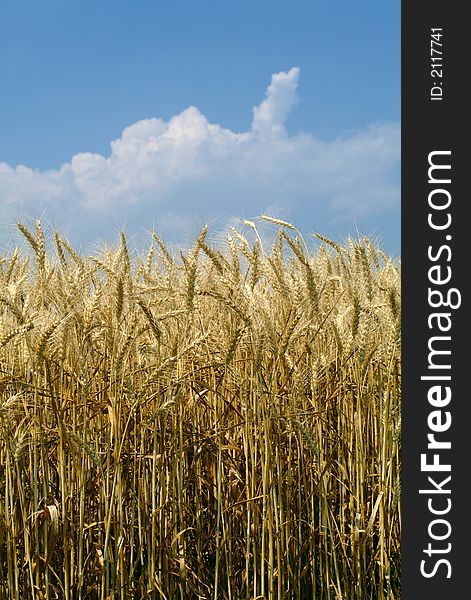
(324, 151)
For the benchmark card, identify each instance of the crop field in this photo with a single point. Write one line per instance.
(218, 423)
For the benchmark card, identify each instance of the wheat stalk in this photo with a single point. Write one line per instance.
(224, 426)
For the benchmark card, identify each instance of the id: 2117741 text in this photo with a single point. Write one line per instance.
(436, 66)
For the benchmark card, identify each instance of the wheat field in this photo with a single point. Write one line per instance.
(217, 423)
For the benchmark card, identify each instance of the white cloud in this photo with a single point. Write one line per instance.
(270, 116)
(188, 166)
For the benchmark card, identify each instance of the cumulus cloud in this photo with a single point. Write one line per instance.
(171, 171)
(270, 116)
